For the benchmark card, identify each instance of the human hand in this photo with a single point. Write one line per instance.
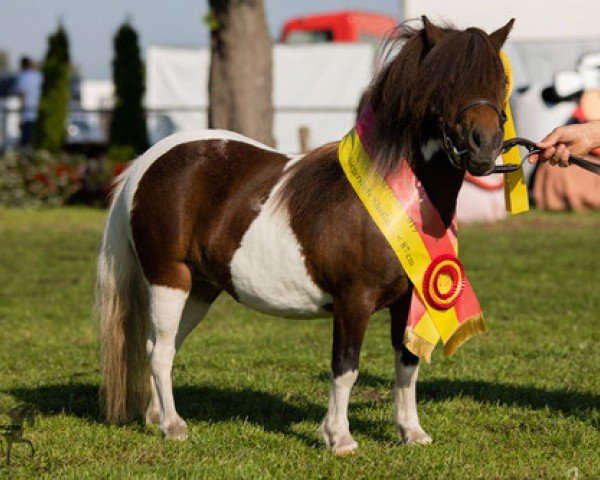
(577, 139)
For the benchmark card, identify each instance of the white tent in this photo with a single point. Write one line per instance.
(316, 86)
(548, 36)
(536, 20)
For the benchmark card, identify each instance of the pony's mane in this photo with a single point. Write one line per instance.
(421, 84)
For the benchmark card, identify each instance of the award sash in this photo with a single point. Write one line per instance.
(443, 304)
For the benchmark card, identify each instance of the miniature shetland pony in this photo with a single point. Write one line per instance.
(205, 212)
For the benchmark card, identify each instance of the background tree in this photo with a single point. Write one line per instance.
(240, 79)
(128, 131)
(54, 101)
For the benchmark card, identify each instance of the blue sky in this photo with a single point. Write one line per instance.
(25, 24)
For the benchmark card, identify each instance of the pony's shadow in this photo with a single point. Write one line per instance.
(280, 414)
(271, 412)
(571, 403)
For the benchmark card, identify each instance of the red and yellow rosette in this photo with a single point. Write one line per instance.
(443, 282)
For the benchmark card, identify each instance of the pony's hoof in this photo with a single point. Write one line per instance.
(415, 436)
(339, 444)
(345, 448)
(175, 430)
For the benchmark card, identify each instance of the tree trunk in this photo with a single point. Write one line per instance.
(240, 80)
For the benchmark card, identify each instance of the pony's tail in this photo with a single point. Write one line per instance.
(122, 311)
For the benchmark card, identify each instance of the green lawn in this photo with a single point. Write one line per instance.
(521, 401)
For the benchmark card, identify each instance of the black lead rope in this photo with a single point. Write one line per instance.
(532, 149)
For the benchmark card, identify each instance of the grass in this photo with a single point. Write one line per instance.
(521, 401)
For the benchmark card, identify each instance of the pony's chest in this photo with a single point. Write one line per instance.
(268, 270)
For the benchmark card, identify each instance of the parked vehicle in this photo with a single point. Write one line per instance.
(84, 132)
(343, 26)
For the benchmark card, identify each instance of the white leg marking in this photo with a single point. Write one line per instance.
(407, 419)
(166, 307)
(193, 312)
(335, 427)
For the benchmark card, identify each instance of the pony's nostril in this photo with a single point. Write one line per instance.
(475, 139)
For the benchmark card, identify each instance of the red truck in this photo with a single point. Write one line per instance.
(342, 26)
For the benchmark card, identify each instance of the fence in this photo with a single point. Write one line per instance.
(296, 128)
(91, 125)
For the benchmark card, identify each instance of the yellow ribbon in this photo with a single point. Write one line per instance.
(515, 188)
(398, 229)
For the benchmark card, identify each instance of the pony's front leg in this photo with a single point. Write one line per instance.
(350, 322)
(407, 371)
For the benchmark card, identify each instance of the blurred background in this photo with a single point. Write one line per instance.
(320, 57)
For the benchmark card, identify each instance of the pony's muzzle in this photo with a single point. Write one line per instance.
(484, 146)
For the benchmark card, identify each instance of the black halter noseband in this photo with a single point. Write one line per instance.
(454, 154)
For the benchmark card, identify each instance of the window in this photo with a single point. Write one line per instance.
(299, 37)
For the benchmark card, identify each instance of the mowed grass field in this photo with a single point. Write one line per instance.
(521, 401)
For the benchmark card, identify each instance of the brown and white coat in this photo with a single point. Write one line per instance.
(204, 212)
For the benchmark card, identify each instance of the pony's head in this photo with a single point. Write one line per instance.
(445, 86)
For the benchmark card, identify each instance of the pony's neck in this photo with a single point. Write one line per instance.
(440, 179)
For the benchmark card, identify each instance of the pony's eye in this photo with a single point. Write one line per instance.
(503, 116)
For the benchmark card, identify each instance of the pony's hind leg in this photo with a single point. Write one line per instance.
(407, 369)
(196, 306)
(166, 308)
(350, 322)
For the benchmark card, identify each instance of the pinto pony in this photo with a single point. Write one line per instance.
(205, 212)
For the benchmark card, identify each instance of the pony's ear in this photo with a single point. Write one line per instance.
(432, 32)
(499, 36)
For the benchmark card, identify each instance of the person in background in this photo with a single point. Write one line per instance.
(577, 139)
(28, 87)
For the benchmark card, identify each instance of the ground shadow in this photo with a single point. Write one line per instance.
(567, 402)
(278, 414)
(271, 412)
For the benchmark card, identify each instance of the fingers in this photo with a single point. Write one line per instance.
(564, 158)
(561, 156)
(562, 141)
(548, 154)
(558, 155)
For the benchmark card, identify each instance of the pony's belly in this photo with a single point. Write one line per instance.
(268, 270)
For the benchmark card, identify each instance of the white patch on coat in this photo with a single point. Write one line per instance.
(268, 270)
(430, 148)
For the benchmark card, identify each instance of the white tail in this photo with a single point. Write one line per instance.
(122, 310)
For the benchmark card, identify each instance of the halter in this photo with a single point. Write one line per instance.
(454, 154)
